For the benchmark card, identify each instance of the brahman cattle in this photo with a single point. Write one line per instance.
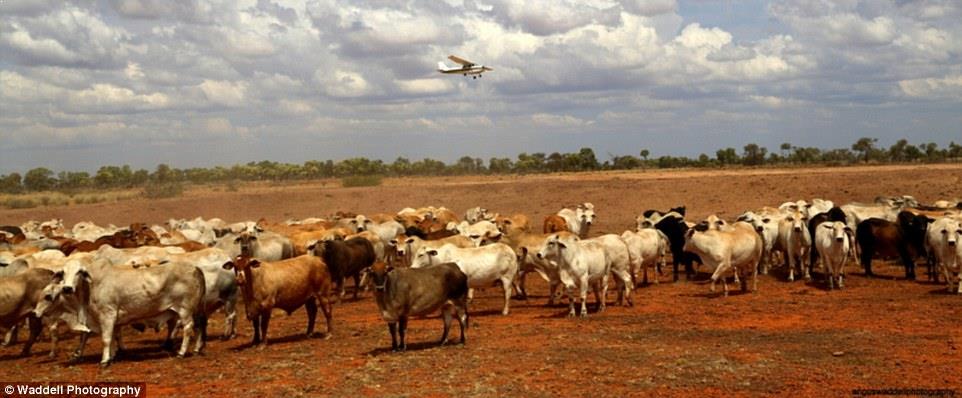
(835, 243)
(404, 292)
(19, 294)
(944, 242)
(580, 264)
(738, 249)
(483, 265)
(288, 285)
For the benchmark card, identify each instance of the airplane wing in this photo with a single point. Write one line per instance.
(462, 61)
(485, 68)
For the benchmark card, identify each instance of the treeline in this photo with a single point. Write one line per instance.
(863, 150)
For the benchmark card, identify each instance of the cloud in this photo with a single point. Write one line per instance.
(948, 87)
(224, 93)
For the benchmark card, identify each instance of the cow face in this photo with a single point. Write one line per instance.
(379, 272)
(553, 247)
(51, 293)
(73, 274)
(425, 257)
(798, 221)
(246, 242)
(585, 215)
(242, 267)
(951, 234)
(714, 222)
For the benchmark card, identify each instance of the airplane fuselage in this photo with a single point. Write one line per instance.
(474, 70)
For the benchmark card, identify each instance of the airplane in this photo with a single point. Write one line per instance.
(467, 67)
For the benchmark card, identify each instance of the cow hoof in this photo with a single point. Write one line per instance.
(104, 365)
(181, 355)
(571, 314)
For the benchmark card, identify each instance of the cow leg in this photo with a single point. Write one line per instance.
(340, 289)
(265, 322)
(325, 303)
(908, 262)
(674, 266)
(257, 330)
(169, 341)
(948, 277)
(583, 295)
(187, 321)
(791, 268)
(311, 306)
(506, 284)
(519, 285)
(447, 313)
(357, 285)
(402, 328)
(79, 351)
(107, 335)
(230, 319)
(392, 327)
(200, 330)
(867, 253)
(36, 326)
(470, 294)
(808, 268)
(54, 338)
(12, 336)
(626, 284)
(462, 307)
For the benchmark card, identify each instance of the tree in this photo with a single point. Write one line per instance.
(10, 183)
(39, 179)
(785, 147)
(588, 160)
(500, 165)
(726, 156)
(897, 152)
(865, 146)
(754, 155)
(644, 154)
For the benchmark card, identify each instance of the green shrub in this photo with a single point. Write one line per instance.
(157, 190)
(361, 181)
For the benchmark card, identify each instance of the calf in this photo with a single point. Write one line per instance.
(286, 284)
(404, 292)
(833, 214)
(738, 250)
(19, 294)
(580, 265)
(944, 242)
(903, 238)
(483, 265)
(835, 242)
(345, 259)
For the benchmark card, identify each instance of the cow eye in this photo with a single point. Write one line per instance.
(48, 297)
(475, 236)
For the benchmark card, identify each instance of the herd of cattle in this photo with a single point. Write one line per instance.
(96, 279)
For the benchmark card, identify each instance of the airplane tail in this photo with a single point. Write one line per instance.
(442, 66)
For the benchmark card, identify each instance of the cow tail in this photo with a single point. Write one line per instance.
(200, 309)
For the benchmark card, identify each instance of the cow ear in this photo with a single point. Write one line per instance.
(57, 277)
(86, 275)
(828, 226)
(254, 263)
(689, 233)
(562, 245)
(228, 265)
(237, 239)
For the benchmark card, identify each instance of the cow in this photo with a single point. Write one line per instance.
(943, 241)
(19, 294)
(855, 213)
(648, 248)
(833, 214)
(580, 264)
(766, 221)
(675, 228)
(835, 243)
(526, 246)
(404, 292)
(110, 297)
(653, 214)
(483, 265)
(794, 238)
(482, 229)
(620, 258)
(344, 259)
(738, 249)
(580, 219)
(478, 213)
(903, 238)
(554, 223)
(221, 288)
(818, 206)
(288, 285)
(11, 265)
(515, 222)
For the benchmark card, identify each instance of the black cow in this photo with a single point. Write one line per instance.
(675, 228)
(345, 258)
(904, 239)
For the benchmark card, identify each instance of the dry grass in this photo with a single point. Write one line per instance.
(57, 199)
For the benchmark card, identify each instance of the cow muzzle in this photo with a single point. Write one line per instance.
(840, 239)
(951, 243)
(67, 290)
(798, 229)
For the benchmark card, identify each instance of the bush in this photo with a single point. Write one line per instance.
(361, 181)
(157, 190)
(19, 203)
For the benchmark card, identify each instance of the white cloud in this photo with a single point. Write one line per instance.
(425, 86)
(948, 87)
(224, 93)
(553, 120)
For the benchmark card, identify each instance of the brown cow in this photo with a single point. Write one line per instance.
(554, 223)
(516, 222)
(345, 258)
(286, 284)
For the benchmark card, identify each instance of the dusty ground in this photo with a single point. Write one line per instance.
(789, 338)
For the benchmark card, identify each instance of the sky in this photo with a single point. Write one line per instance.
(200, 83)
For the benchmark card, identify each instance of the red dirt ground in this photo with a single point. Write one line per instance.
(677, 340)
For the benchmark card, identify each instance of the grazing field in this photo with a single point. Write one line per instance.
(789, 338)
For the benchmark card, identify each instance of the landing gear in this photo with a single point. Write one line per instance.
(474, 77)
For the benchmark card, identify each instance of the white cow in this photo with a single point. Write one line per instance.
(483, 265)
(118, 296)
(855, 213)
(580, 219)
(580, 264)
(819, 205)
(795, 239)
(618, 254)
(738, 250)
(943, 240)
(409, 245)
(526, 246)
(835, 243)
(766, 221)
(648, 248)
(479, 231)
(478, 213)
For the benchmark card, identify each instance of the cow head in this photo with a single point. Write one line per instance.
(840, 232)
(379, 271)
(951, 233)
(585, 215)
(554, 247)
(246, 241)
(425, 257)
(242, 267)
(715, 223)
(73, 274)
(798, 221)
(404, 246)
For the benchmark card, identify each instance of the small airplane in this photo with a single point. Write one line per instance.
(467, 67)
